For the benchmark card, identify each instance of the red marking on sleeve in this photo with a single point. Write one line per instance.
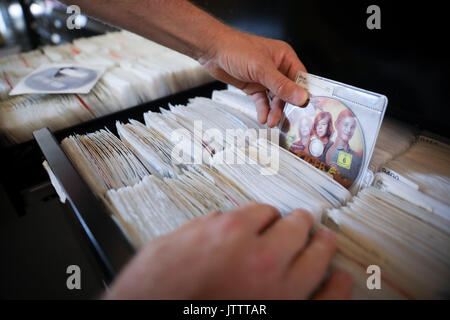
(25, 62)
(7, 81)
(75, 50)
(228, 195)
(121, 41)
(83, 103)
(114, 55)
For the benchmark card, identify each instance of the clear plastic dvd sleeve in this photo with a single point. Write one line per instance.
(337, 130)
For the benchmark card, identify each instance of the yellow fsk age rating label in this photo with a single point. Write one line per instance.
(344, 160)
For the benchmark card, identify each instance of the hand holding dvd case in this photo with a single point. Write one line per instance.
(337, 130)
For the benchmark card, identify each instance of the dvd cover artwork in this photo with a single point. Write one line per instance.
(337, 130)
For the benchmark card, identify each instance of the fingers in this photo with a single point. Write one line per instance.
(256, 92)
(338, 287)
(255, 217)
(291, 65)
(290, 234)
(276, 110)
(270, 113)
(308, 270)
(262, 105)
(283, 87)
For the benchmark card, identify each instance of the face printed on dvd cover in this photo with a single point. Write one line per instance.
(326, 134)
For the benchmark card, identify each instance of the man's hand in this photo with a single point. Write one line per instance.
(259, 66)
(249, 253)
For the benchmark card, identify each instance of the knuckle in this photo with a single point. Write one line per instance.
(256, 206)
(265, 208)
(284, 45)
(264, 261)
(281, 86)
(257, 70)
(305, 216)
(292, 226)
(273, 211)
(268, 208)
(231, 223)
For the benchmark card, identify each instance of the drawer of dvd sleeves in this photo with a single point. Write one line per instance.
(150, 175)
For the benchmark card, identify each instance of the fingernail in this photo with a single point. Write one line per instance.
(261, 119)
(272, 123)
(306, 100)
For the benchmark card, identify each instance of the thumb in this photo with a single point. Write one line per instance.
(283, 87)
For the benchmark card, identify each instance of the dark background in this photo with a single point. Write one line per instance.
(405, 60)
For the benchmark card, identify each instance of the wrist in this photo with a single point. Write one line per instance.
(217, 39)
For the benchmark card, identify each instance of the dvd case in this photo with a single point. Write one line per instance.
(336, 131)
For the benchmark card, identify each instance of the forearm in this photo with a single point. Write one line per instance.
(176, 24)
